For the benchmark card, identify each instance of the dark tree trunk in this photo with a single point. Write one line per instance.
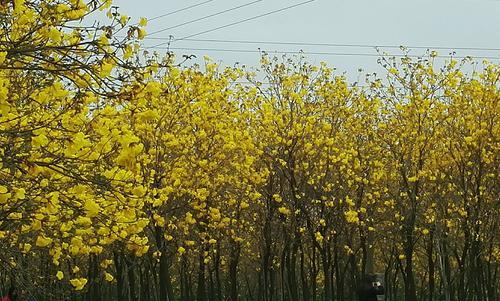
(352, 276)
(201, 292)
(233, 271)
(314, 270)
(120, 287)
(408, 246)
(339, 277)
(431, 265)
(410, 288)
(184, 280)
(166, 291)
(291, 265)
(218, 284)
(327, 285)
(476, 271)
(267, 287)
(93, 277)
(131, 280)
(283, 272)
(303, 276)
(144, 284)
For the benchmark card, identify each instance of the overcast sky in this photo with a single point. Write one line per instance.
(424, 23)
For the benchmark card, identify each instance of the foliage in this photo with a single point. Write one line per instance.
(129, 177)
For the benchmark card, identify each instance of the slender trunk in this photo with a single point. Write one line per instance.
(370, 253)
(155, 280)
(462, 260)
(491, 269)
(283, 271)
(120, 292)
(364, 254)
(303, 276)
(211, 283)
(430, 258)
(352, 277)
(445, 271)
(131, 280)
(266, 267)
(314, 274)
(184, 283)
(93, 292)
(201, 294)
(291, 270)
(388, 279)
(249, 288)
(339, 277)
(260, 285)
(327, 287)
(233, 271)
(408, 246)
(267, 290)
(218, 284)
(144, 285)
(410, 289)
(395, 284)
(476, 272)
(273, 283)
(166, 291)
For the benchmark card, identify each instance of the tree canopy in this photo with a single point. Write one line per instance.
(126, 176)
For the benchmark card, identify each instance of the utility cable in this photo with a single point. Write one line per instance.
(238, 22)
(205, 17)
(327, 44)
(179, 10)
(322, 53)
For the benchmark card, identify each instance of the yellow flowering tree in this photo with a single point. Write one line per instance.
(127, 177)
(58, 78)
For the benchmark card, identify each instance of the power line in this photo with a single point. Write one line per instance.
(351, 86)
(320, 53)
(205, 17)
(239, 22)
(327, 44)
(248, 19)
(247, 82)
(180, 10)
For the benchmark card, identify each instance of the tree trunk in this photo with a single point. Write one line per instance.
(93, 292)
(145, 294)
(327, 285)
(370, 253)
(201, 293)
(352, 276)
(218, 284)
(339, 279)
(303, 276)
(283, 270)
(166, 291)
(211, 283)
(291, 261)
(314, 270)
(184, 283)
(131, 280)
(410, 289)
(430, 258)
(120, 287)
(233, 271)
(446, 272)
(267, 287)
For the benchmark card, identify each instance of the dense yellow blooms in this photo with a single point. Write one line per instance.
(103, 159)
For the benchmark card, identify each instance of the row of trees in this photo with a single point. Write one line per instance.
(132, 178)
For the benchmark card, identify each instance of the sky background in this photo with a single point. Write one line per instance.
(424, 23)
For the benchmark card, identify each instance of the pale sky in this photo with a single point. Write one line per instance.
(424, 23)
